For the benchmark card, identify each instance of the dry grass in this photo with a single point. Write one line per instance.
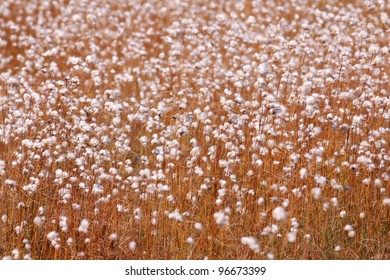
(282, 132)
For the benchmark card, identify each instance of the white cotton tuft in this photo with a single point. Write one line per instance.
(220, 218)
(133, 245)
(316, 193)
(190, 240)
(251, 242)
(303, 173)
(279, 214)
(348, 228)
(291, 236)
(15, 254)
(113, 236)
(52, 236)
(198, 226)
(38, 221)
(83, 226)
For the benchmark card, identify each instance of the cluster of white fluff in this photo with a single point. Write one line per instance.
(102, 107)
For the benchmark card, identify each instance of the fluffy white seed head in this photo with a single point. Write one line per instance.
(251, 242)
(303, 173)
(291, 236)
(198, 226)
(279, 213)
(83, 226)
(113, 237)
(132, 245)
(316, 193)
(220, 218)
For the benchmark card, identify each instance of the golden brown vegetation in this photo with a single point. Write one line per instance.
(194, 129)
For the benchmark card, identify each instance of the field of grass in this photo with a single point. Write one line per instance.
(194, 129)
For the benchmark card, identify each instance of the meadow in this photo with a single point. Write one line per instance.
(167, 129)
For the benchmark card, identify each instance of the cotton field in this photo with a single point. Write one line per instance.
(167, 129)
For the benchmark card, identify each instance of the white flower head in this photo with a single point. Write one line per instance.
(291, 236)
(279, 213)
(251, 242)
(113, 237)
(83, 226)
(52, 236)
(316, 193)
(198, 226)
(15, 254)
(303, 173)
(132, 245)
(220, 218)
(190, 240)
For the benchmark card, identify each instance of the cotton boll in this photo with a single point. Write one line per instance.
(334, 201)
(264, 68)
(348, 228)
(83, 226)
(116, 121)
(279, 214)
(52, 237)
(291, 237)
(374, 49)
(270, 256)
(63, 223)
(316, 193)
(132, 245)
(18, 230)
(325, 206)
(190, 240)
(143, 140)
(15, 254)
(251, 242)
(175, 215)
(285, 203)
(38, 221)
(386, 201)
(303, 173)
(261, 201)
(198, 226)
(113, 237)
(220, 218)
(378, 182)
(69, 241)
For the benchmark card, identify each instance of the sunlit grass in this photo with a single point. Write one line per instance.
(194, 130)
